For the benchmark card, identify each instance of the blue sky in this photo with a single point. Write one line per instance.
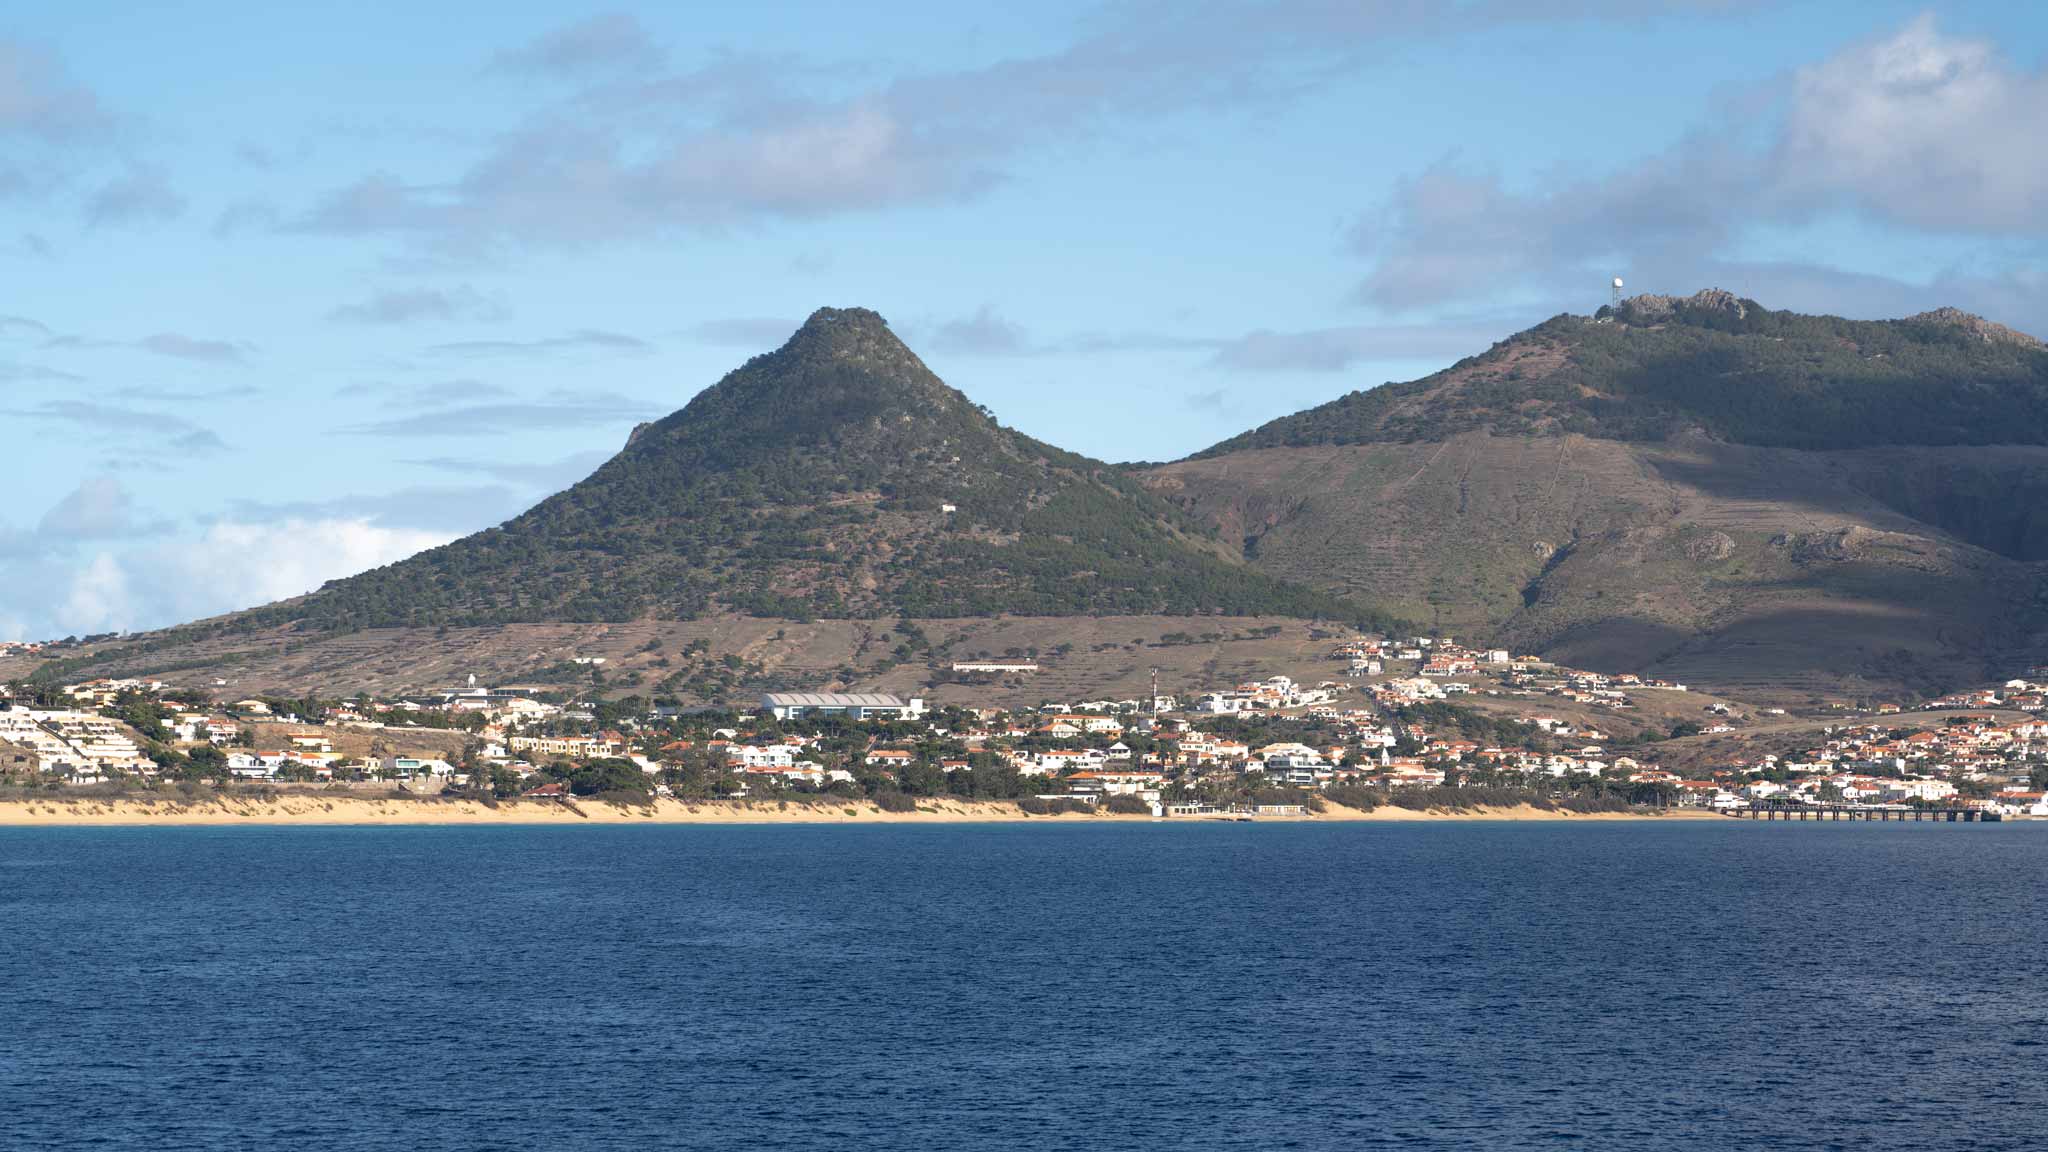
(295, 290)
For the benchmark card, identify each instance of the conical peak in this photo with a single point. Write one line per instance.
(836, 340)
(842, 368)
(845, 326)
(855, 336)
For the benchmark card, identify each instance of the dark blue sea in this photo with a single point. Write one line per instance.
(1700, 985)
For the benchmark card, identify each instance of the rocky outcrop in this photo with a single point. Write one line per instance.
(1652, 309)
(1976, 326)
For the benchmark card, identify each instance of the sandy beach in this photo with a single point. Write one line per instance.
(342, 809)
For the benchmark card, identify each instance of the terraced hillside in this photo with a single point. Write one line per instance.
(729, 658)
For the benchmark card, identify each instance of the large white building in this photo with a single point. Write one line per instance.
(853, 705)
(74, 742)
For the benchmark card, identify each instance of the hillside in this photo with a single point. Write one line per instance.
(835, 477)
(1716, 364)
(1699, 488)
(1772, 505)
(735, 658)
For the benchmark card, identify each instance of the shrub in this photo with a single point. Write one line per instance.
(895, 802)
(1128, 806)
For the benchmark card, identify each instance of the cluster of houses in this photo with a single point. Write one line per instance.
(79, 745)
(1087, 751)
(1271, 695)
(1078, 752)
(1965, 762)
(1532, 675)
(2016, 695)
(1444, 669)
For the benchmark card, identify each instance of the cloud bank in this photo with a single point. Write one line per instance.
(1914, 130)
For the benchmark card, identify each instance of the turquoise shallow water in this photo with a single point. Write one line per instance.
(1707, 985)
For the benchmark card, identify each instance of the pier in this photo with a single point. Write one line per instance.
(1901, 812)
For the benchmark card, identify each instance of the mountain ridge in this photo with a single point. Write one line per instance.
(836, 476)
(1658, 366)
(1697, 487)
(1693, 487)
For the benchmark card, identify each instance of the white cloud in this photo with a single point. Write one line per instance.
(232, 565)
(1934, 131)
(644, 148)
(98, 599)
(1915, 129)
(240, 565)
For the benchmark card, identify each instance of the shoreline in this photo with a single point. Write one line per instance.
(318, 809)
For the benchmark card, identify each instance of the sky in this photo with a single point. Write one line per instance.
(292, 291)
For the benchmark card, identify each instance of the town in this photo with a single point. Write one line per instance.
(1420, 722)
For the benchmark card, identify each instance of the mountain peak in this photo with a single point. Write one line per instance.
(835, 476)
(844, 323)
(842, 348)
(859, 334)
(1713, 363)
(842, 367)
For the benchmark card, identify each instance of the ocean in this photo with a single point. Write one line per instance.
(1625, 985)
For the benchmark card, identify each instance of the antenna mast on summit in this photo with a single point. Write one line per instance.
(1616, 301)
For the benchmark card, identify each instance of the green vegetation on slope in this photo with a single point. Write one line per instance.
(836, 476)
(1727, 367)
